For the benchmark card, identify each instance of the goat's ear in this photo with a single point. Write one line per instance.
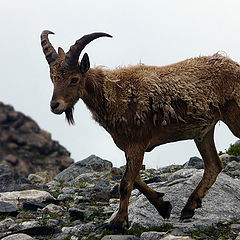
(61, 53)
(85, 64)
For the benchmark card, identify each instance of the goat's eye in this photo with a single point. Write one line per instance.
(74, 80)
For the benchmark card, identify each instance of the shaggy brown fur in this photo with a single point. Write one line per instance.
(145, 106)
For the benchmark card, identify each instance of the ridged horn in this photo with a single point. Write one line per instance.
(71, 59)
(48, 50)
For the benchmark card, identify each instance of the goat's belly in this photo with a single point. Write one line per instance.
(178, 132)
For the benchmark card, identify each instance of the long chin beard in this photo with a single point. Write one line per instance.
(69, 116)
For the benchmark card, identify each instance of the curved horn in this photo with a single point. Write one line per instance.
(48, 50)
(71, 59)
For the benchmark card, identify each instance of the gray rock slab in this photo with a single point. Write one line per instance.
(120, 237)
(7, 208)
(161, 235)
(19, 236)
(152, 235)
(220, 204)
(18, 197)
(29, 224)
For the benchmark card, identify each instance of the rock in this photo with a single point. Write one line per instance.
(52, 208)
(231, 166)
(177, 232)
(52, 185)
(69, 190)
(65, 197)
(7, 208)
(18, 197)
(238, 237)
(120, 237)
(224, 157)
(194, 162)
(33, 206)
(36, 179)
(235, 228)
(114, 191)
(220, 203)
(80, 229)
(152, 235)
(18, 236)
(91, 164)
(81, 199)
(31, 149)
(116, 173)
(6, 179)
(234, 158)
(29, 224)
(154, 179)
(41, 230)
(161, 235)
(5, 224)
(171, 168)
(236, 143)
(171, 237)
(101, 196)
(22, 180)
(88, 177)
(76, 214)
(61, 236)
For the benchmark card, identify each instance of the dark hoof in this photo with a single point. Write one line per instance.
(165, 209)
(199, 203)
(187, 214)
(118, 226)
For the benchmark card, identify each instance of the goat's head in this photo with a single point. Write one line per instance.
(66, 73)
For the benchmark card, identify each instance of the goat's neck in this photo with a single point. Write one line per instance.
(93, 91)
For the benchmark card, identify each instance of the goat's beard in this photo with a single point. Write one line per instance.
(69, 115)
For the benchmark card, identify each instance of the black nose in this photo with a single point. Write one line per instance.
(54, 105)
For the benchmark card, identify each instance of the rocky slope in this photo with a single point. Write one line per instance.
(25, 148)
(78, 203)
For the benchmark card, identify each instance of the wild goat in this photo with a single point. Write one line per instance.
(146, 106)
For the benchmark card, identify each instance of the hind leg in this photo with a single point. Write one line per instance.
(213, 167)
(163, 207)
(231, 116)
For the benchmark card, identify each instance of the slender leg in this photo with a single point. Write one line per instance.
(163, 207)
(213, 167)
(134, 157)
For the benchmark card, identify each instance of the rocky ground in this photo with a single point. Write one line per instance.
(79, 201)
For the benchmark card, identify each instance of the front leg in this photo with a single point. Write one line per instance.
(134, 157)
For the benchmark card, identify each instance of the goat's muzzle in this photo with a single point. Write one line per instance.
(58, 107)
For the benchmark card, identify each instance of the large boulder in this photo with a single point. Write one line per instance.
(26, 148)
(220, 204)
(92, 165)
